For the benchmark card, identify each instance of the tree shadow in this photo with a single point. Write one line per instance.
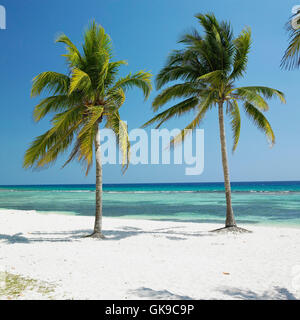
(168, 233)
(276, 293)
(110, 235)
(15, 238)
(148, 293)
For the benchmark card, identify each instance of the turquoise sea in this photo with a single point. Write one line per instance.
(253, 202)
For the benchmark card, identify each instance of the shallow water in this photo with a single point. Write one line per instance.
(254, 203)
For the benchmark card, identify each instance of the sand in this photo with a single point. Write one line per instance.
(144, 259)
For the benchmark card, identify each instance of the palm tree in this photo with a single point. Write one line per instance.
(208, 67)
(291, 57)
(90, 95)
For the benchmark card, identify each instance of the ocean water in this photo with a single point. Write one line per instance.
(253, 202)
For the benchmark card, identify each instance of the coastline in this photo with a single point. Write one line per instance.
(147, 259)
(269, 203)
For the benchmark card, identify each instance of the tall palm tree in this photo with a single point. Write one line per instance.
(208, 67)
(90, 95)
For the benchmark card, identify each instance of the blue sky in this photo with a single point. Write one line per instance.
(143, 33)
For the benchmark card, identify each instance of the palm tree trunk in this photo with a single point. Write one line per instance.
(230, 221)
(98, 214)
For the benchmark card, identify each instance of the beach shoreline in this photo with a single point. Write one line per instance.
(146, 259)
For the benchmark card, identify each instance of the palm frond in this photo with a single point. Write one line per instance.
(252, 97)
(266, 92)
(80, 81)
(191, 38)
(182, 90)
(242, 46)
(214, 78)
(115, 98)
(120, 129)
(96, 40)
(45, 148)
(86, 137)
(93, 117)
(234, 113)
(64, 39)
(173, 73)
(140, 80)
(260, 121)
(177, 110)
(56, 103)
(54, 82)
(85, 140)
(203, 107)
(73, 55)
(112, 72)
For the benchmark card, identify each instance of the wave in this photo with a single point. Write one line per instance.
(215, 191)
(205, 191)
(39, 190)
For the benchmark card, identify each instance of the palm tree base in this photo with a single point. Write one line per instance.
(232, 229)
(96, 235)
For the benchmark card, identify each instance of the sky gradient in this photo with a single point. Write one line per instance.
(143, 33)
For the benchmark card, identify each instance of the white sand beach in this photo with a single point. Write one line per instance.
(143, 259)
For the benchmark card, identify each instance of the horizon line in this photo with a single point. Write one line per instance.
(145, 183)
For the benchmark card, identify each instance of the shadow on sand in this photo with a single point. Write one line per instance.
(148, 293)
(276, 293)
(110, 235)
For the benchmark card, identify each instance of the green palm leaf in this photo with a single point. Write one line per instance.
(120, 129)
(181, 90)
(203, 108)
(80, 81)
(260, 121)
(54, 82)
(93, 93)
(56, 103)
(140, 79)
(206, 69)
(177, 110)
(235, 116)
(240, 59)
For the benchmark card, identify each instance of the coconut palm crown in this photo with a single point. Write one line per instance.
(205, 72)
(89, 95)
